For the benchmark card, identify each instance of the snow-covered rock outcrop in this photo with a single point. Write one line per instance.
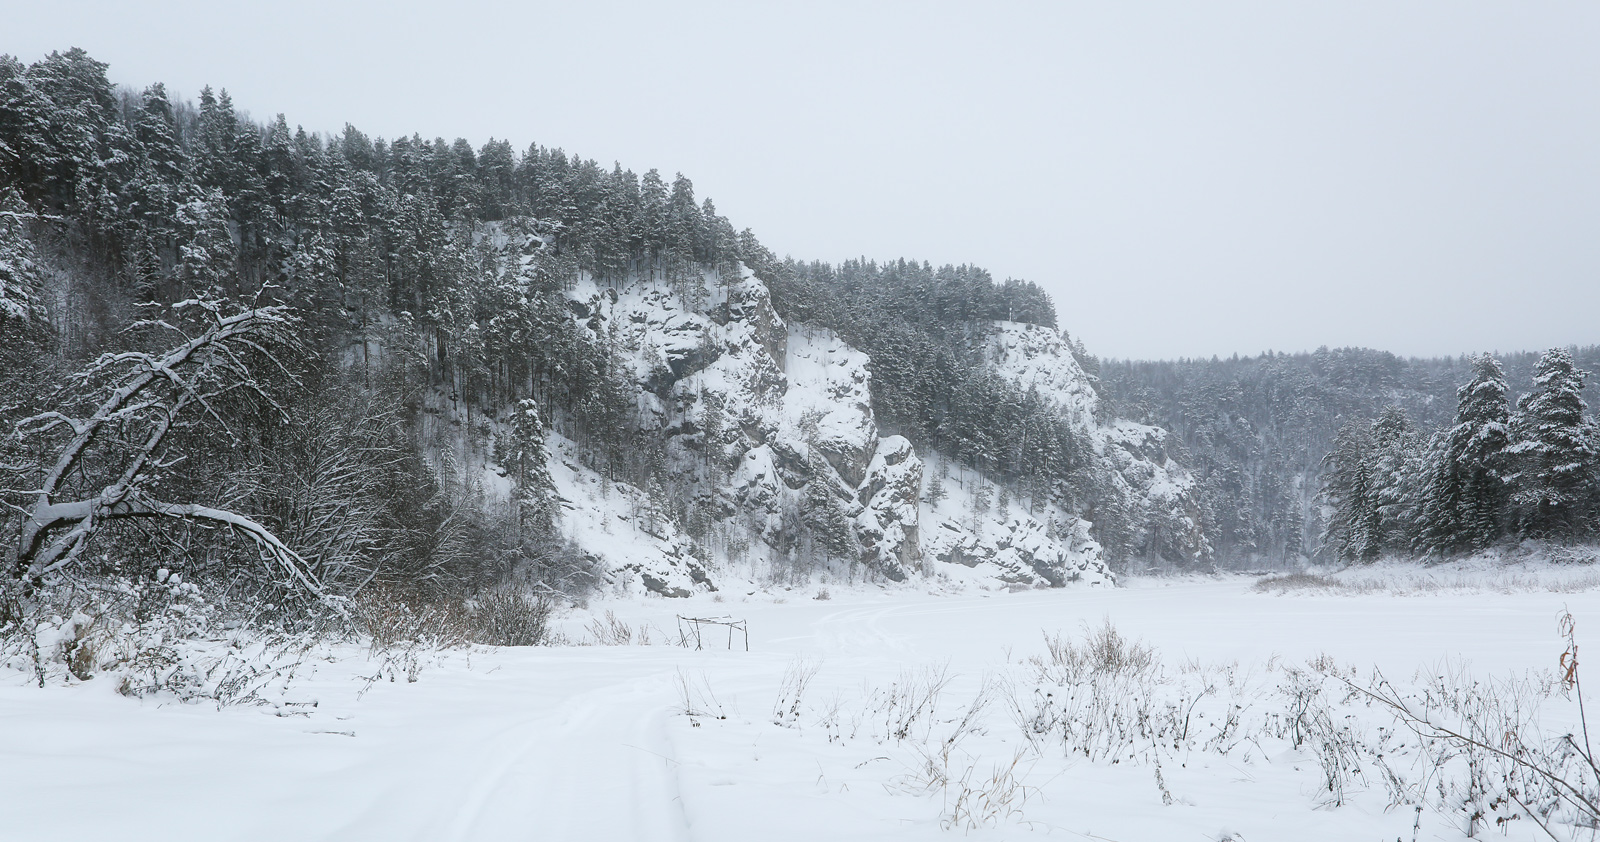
(776, 459)
(769, 425)
(890, 494)
(1017, 541)
(1158, 493)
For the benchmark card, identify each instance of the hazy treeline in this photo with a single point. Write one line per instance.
(1258, 429)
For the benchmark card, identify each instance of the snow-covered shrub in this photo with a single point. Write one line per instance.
(912, 719)
(391, 619)
(13, 621)
(509, 619)
(162, 635)
(1104, 651)
(974, 800)
(69, 632)
(695, 696)
(68, 644)
(1493, 750)
(906, 709)
(1295, 582)
(1102, 697)
(243, 672)
(406, 633)
(1488, 751)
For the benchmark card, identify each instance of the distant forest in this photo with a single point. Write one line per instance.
(1259, 431)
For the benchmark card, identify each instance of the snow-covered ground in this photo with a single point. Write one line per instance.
(594, 742)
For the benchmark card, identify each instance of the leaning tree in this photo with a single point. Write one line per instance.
(107, 450)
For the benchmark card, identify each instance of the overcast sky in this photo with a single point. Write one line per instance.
(1185, 179)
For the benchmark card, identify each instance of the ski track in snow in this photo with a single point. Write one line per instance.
(590, 742)
(566, 778)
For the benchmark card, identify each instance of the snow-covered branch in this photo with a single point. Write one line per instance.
(137, 399)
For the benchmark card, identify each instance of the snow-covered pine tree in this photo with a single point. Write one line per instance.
(936, 491)
(652, 222)
(528, 459)
(54, 117)
(19, 270)
(1352, 530)
(1396, 477)
(156, 184)
(823, 514)
(981, 498)
(1554, 451)
(1464, 491)
(207, 258)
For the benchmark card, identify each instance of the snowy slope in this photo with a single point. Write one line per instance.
(623, 528)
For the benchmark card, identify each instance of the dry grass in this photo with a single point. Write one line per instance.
(1297, 582)
(1102, 651)
(495, 619)
(1424, 581)
(612, 630)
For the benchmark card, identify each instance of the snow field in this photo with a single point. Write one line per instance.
(850, 718)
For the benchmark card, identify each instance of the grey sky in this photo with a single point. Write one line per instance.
(1185, 179)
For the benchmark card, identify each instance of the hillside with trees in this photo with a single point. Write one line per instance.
(432, 369)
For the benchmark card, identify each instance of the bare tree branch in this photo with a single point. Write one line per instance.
(142, 399)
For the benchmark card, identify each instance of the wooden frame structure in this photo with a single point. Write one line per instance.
(689, 630)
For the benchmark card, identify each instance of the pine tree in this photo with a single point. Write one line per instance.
(936, 491)
(824, 515)
(1555, 450)
(24, 128)
(1465, 488)
(19, 271)
(1353, 529)
(652, 221)
(64, 108)
(1290, 522)
(1396, 476)
(528, 460)
(207, 258)
(164, 166)
(981, 497)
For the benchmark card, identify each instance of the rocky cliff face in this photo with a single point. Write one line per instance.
(778, 468)
(1158, 495)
